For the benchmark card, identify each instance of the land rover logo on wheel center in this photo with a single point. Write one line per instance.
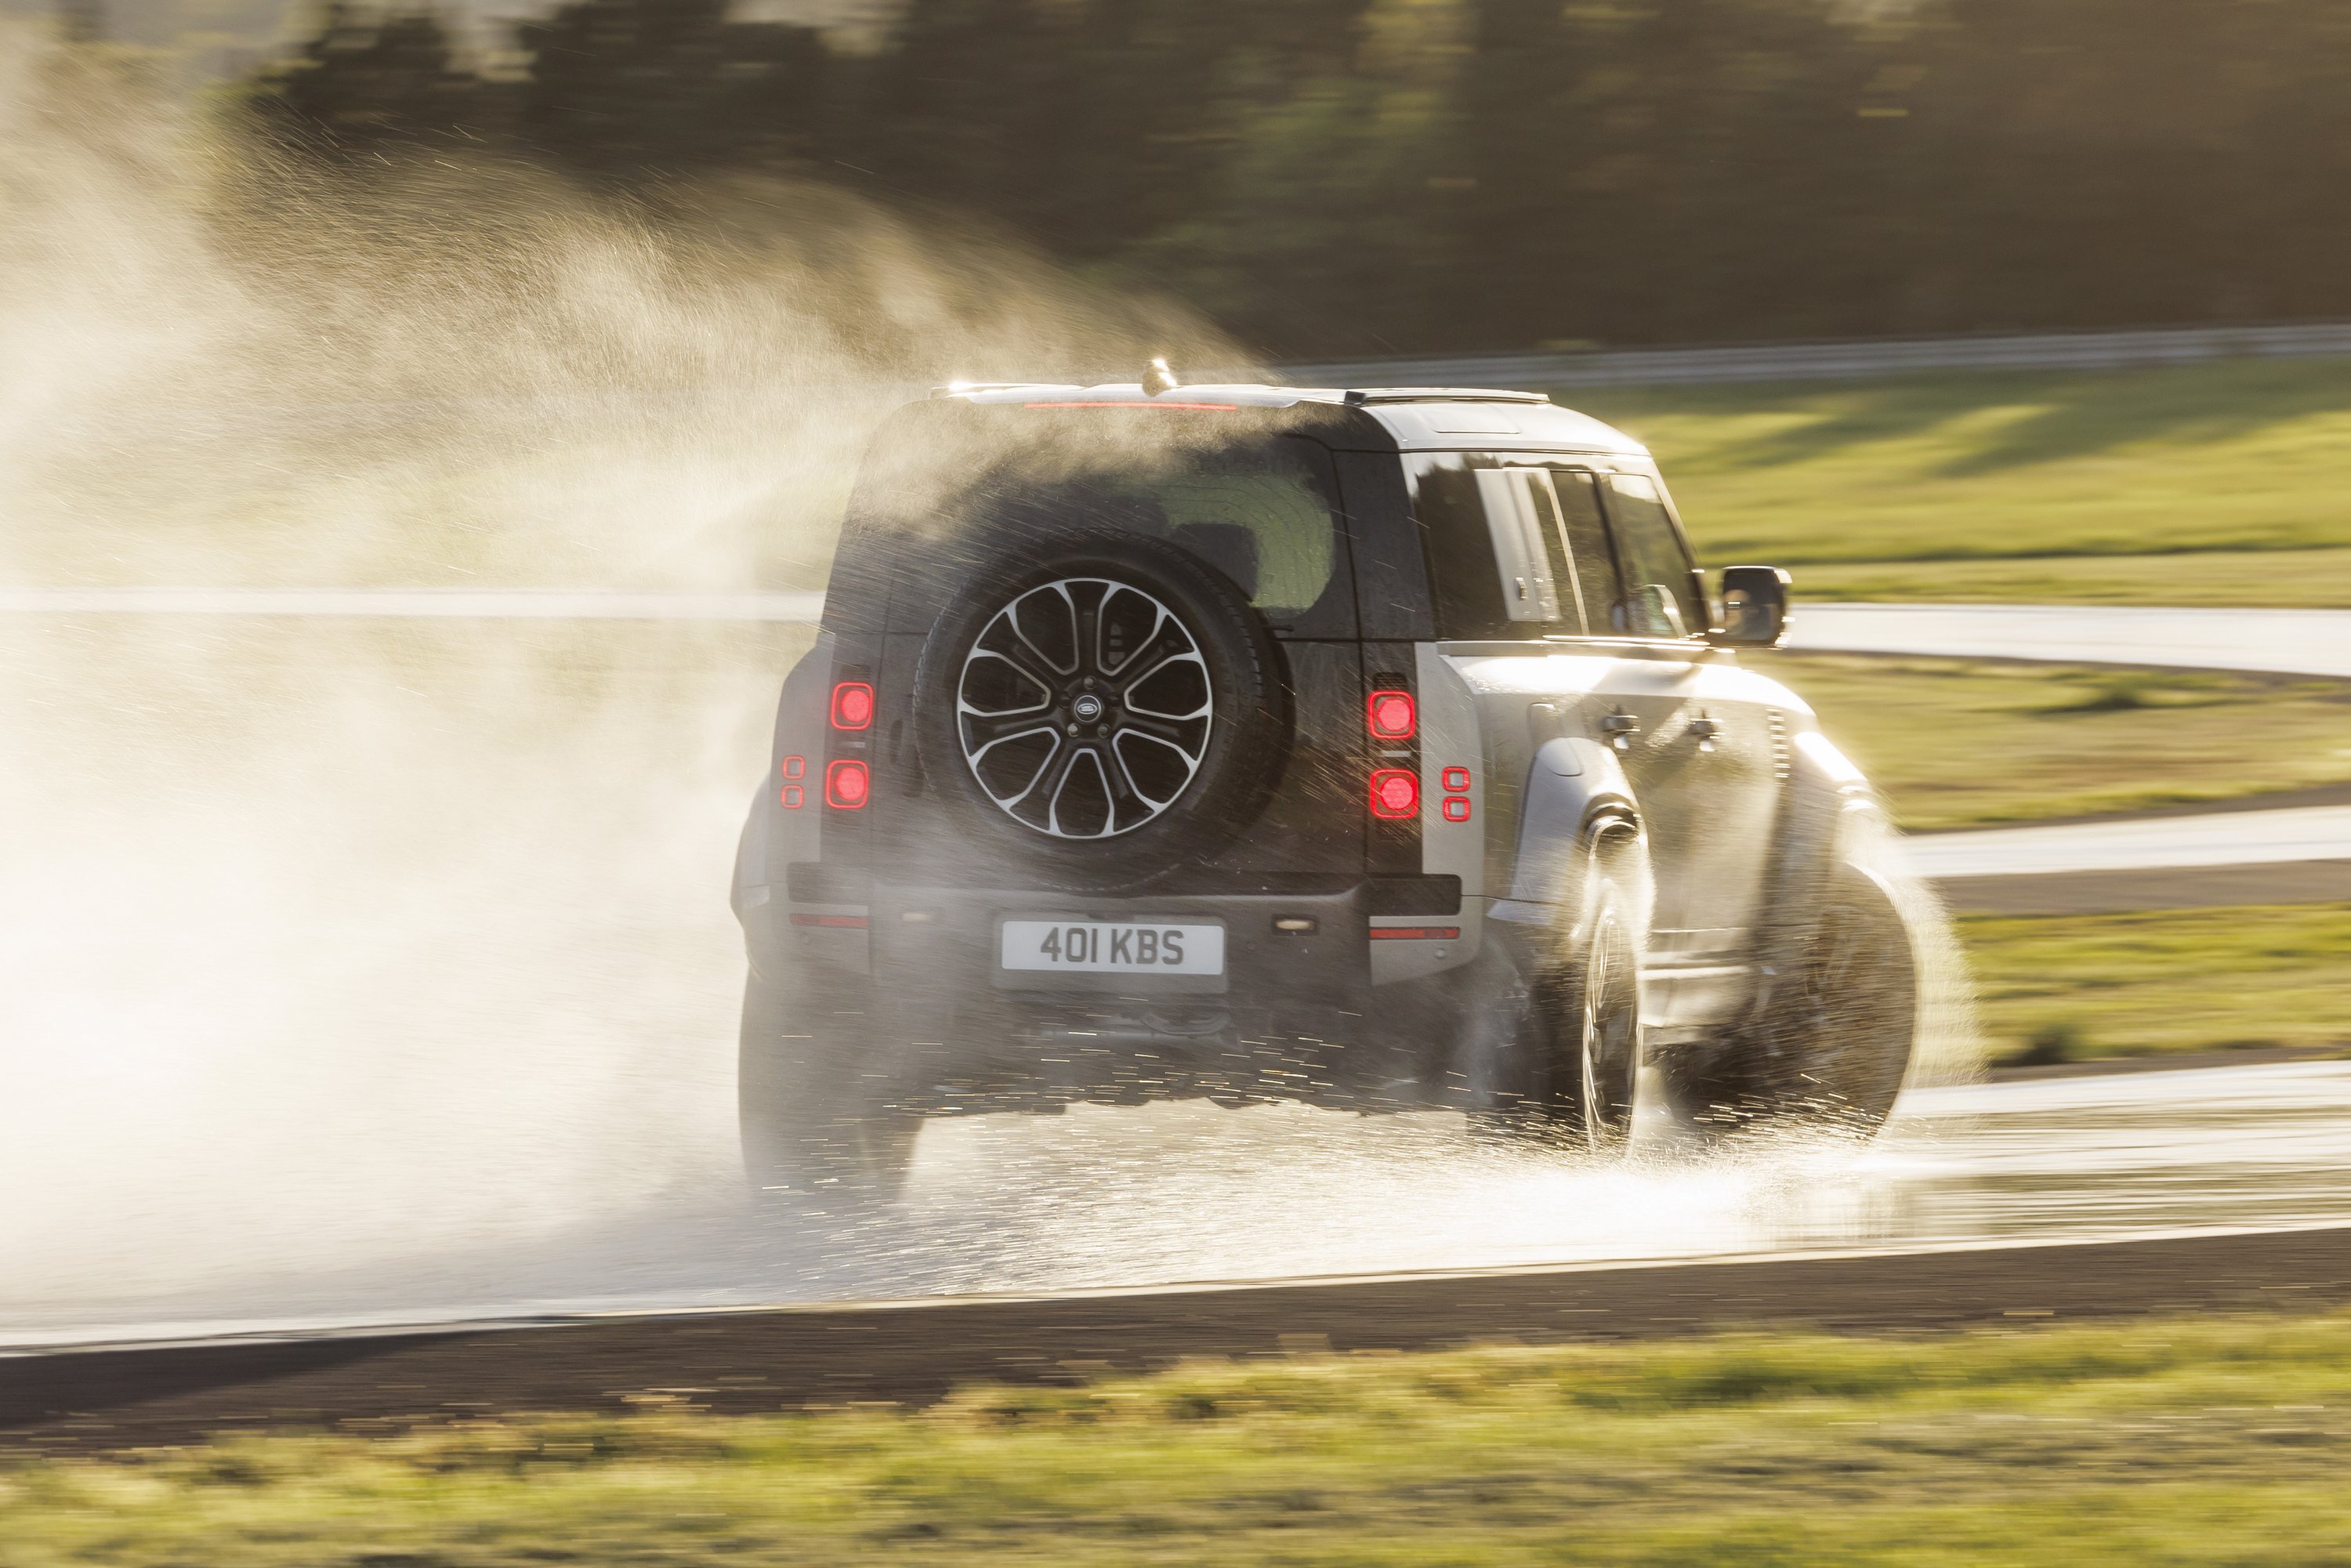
(1087, 709)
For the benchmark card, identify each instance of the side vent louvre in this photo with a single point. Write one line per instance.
(1783, 761)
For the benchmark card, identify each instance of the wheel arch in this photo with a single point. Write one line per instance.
(1577, 802)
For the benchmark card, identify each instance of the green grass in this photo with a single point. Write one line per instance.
(2169, 1442)
(1957, 743)
(2010, 480)
(2164, 980)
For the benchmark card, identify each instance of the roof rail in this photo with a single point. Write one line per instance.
(1357, 396)
(957, 389)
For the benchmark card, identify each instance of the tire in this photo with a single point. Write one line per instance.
(1083, 762)
(817, 1113)
(1834, 1046)
(1570, 1058)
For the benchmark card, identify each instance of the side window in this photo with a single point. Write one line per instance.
(1523, 520)
(1496, 568)
(1587, 546)
(1514, 551)
(1661, 595)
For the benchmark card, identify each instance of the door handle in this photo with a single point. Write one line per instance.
(1620, 723)
(1705, 728)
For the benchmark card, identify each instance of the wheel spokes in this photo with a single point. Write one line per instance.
(1052, 749)
(1084, 708)
(1129, 626)
(984, 731)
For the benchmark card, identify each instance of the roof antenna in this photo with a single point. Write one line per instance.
(1159, 378)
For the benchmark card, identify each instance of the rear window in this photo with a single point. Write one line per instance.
(1260, 512)
(1260, 515)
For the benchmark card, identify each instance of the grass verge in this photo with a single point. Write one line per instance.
(1957, 743)
(2053, 987)
(2054, 485)
(2215, 1440)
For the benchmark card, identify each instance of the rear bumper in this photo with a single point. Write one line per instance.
(1306, 1005)
(937, 948)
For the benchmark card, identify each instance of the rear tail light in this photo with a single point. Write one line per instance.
(847, 784)
(1390, 715)
(1395, 794)
(852, 705)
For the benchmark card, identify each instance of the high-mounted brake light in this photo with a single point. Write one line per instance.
(847, 785)
(852, 705)
(1139, 403)
(1390, 715)
(1395, 794)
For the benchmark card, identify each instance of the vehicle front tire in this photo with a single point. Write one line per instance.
(819, 1110)
(1834, 1045)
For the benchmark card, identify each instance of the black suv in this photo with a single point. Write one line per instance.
(1376, 748)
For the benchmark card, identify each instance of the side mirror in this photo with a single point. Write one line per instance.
(1755, 607)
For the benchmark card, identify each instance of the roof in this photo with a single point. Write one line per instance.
(1414, 418)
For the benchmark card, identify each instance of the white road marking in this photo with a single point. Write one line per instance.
(2220, 838)
(450, 603)
(2282, 642)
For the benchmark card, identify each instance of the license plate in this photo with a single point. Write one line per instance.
(1113, 947)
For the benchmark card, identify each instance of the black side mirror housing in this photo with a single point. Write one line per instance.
(1755, 607)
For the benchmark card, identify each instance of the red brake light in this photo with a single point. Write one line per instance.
(847, 785)
(1395, 794)
(852, 705)
(1138, 402)
(1391, 715)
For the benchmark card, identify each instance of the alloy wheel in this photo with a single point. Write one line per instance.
(1084, 708)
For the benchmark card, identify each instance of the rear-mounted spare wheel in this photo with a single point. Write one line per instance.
(1101, 705)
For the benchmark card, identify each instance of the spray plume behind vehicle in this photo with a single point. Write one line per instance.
(336, 941)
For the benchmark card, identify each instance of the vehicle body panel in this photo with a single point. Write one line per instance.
(1522, 747)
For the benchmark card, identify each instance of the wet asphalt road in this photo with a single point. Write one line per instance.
(1988, 1206)
(1099, 1200)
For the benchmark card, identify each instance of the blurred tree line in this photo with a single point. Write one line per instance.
(1336, 176)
